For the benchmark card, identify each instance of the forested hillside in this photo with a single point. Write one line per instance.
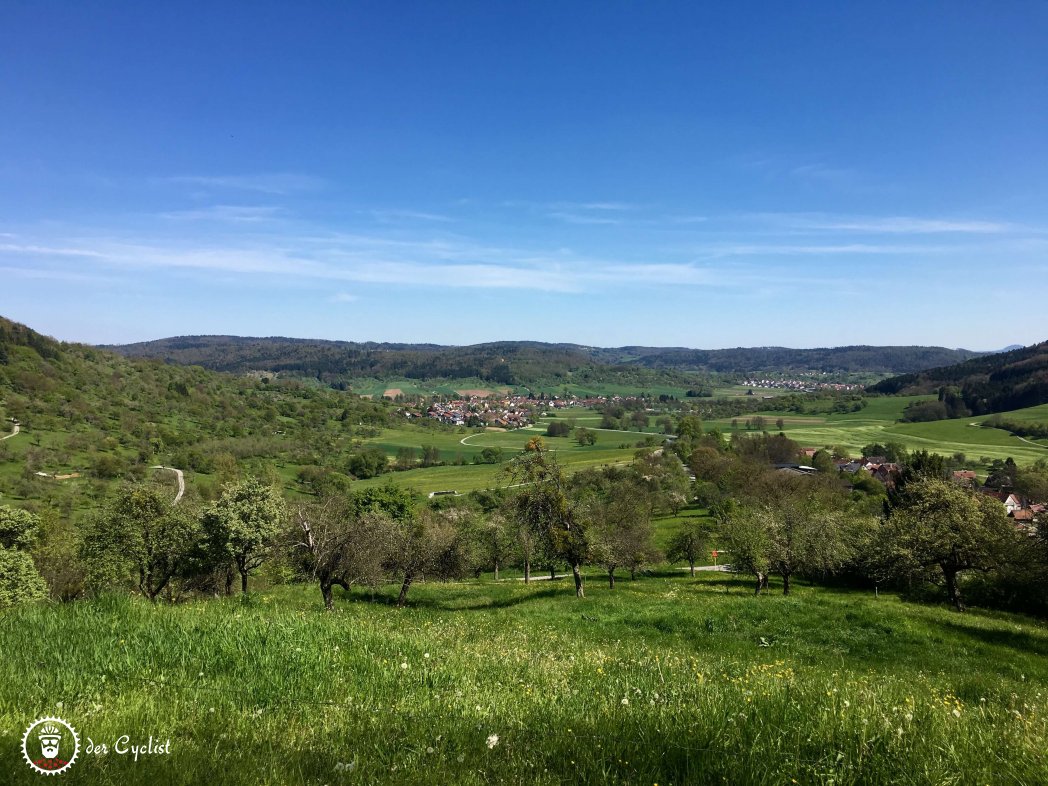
(93, 412)
(526, 362)
(993, 383)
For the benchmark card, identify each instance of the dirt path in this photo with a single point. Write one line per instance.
(1042, 447)
(14, 431)
(181, 482)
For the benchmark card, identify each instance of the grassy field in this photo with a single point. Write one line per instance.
(877, 422)
(665, 680)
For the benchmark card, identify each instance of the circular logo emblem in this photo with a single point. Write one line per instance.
(50, 745)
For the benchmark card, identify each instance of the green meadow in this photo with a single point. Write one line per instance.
(666, 679)
(878, 422)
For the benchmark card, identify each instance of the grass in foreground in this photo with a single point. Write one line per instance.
(666, 680)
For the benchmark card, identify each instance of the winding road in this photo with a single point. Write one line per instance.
(14, 431)
(181, 482)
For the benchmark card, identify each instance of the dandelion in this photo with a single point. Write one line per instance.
(429, 750)
(493, 740)
(909, 716)
(425, 655)
(956, 713)
(846, 704)
(404, 665)
(625, 701)
(212, 709)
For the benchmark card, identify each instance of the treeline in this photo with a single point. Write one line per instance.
(746, 360)
(992, 383)
(1019, 428)
(334, 362)
(924, 530)
(138, 541)
(528, 362)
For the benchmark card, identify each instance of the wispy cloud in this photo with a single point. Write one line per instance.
(232, 213)
(909, 225)
(408, 215)
(54, 275)
(48, 251)
(272, 183)
(579, 218)
(343, 297)
(601, 206)
(786, 249)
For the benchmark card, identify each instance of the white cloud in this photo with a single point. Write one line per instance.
(408, 215)
(577, 218)
(273, 183)
(232, 213)
(912, 225)
(343, 297)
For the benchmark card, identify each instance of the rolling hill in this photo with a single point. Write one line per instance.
(526, 362)
(991, 383)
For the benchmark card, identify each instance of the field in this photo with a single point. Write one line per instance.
(667, 680)
(375, 388)
(877, 422)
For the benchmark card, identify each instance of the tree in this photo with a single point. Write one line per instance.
(690, 426)
(689, 542)
(140, 538)
(558, 428)
(938, 525)
(339, 545)
(495, 541)
(405, 458)
(491, 455)
(431, 543)
(621, 530)
(19, 580)
(791, 527)
(823, 461)
(542, 508)
(585, 436)
(242, 524)
(18, 528)
(430, 455)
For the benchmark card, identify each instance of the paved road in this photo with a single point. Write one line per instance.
(181, 482)
(14, 431)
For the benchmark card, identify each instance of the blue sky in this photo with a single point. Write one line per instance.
(606, 173)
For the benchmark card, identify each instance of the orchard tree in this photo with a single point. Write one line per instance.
(337, 544)
(792, 526)
(242, 525)
(19, 580)
(621, 530)
(689, 542)
(543, 509)
(18, 528)
(139, 537)
(431, 543)
(495, 542)
(940, 526)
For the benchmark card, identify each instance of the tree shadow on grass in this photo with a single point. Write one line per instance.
(1017, 640)
(429, 602)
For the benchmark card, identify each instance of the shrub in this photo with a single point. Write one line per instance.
(19, 580)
